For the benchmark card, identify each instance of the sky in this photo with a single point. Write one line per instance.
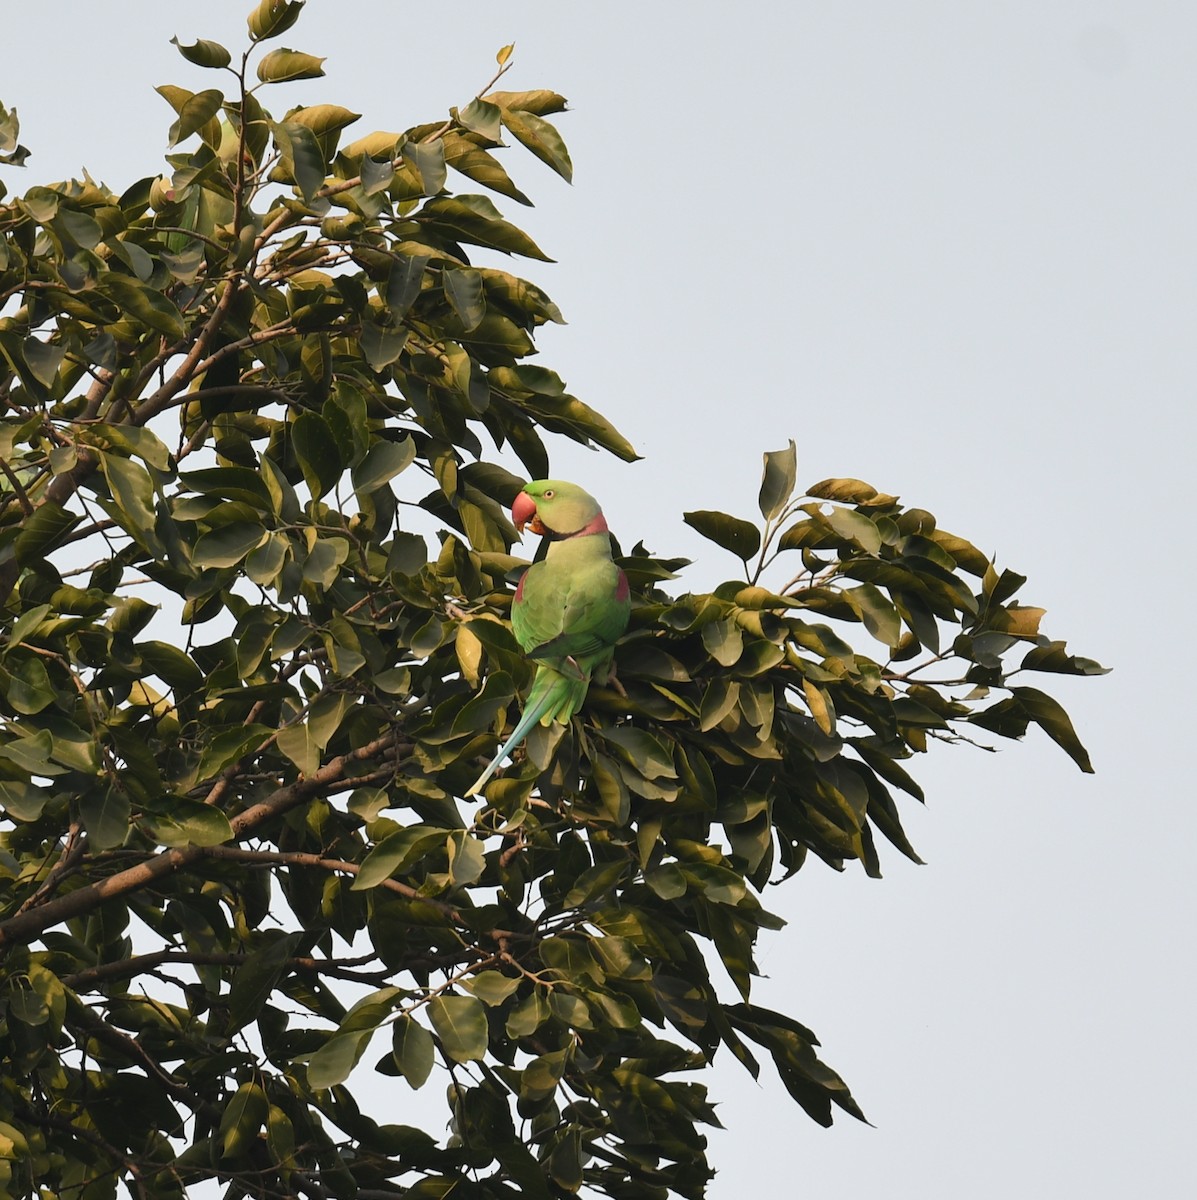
(949, 248)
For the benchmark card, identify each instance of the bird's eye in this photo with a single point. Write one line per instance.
(549, 494)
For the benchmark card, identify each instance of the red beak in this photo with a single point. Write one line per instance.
(523, 510)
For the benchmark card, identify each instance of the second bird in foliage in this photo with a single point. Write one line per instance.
(569, 609)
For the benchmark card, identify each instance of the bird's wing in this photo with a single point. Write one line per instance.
(559, 615)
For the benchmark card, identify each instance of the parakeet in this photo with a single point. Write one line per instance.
(569, 609)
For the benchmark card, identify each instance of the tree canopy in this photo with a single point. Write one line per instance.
(255, 575)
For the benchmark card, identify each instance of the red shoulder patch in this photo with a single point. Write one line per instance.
(622, 591)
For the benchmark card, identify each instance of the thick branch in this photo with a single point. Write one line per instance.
(183, 374)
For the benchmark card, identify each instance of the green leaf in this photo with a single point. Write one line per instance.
(483, 168)
(255, 979)
(87, 232)
(528, 1015)
(466, 858)
(32, 753)
(475, 219)
(298, 744)
(43, 359)
(396, 852)
(27, 687)
(1018, 620)
(280, 66)
(324, 561)
(491, 987)
(272, 18)
(428, 160)
(42, 532)
(403, 282)
(227, 546)
(777, 481)
(539, 1079)
(849, 491)
(195, 109)
(23, 801)
(145, 304)
(203, 53)
(383, 461)
(133, 494)
(323, 119)
(1054, 657)
(464, 291)
(855, 527)
(242, 1119)
(667, 881)
(183, 821)
(229, 747)
(482, 117)
(132, 440)
(316, 448)
(542, 138)
(413, 1049)
(335, 1060)
(377, 174)
(460, 1023)
(105, 813)
(382, 344)
(230, 484)
(1050, 716)
(302, 159)
(724, 642)
(565, 1161)
(879, 615)
(742, 538)
(641, 750)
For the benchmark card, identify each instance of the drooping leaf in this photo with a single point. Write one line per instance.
(460, 1023)
(316, 448)
(742, 538)
(413, 1050)
(334, 1061)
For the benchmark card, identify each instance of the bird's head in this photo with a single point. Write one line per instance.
(556, 509)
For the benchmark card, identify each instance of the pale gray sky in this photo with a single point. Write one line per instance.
(949, 248)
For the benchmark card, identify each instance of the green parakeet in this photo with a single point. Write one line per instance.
(569, 609)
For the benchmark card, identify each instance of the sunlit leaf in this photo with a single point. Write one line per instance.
(279, 66)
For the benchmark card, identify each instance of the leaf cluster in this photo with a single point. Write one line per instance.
(256, 575)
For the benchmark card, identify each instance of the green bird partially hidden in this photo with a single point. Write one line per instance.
(569, 609)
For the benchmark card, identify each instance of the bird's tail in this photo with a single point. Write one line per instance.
(553, 697)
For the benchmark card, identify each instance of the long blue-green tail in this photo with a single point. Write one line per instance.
(553, 697)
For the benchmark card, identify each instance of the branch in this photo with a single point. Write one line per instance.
(87, 1134)
(143, 964)
(186, 369)
(17, 487)
(28, 925)
(102, 1031)
(298, 858)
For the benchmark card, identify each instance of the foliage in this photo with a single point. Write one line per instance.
(241, 699)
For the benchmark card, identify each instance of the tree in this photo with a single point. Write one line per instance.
(241, 700)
